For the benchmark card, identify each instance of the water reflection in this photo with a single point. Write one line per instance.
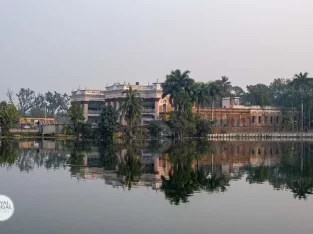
(176, 169)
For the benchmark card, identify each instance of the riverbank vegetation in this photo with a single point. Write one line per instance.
(184, 93)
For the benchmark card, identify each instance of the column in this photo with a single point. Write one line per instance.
(156, 108)
(85, 103)
(117, 104)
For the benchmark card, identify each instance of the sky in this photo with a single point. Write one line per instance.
(60, 45)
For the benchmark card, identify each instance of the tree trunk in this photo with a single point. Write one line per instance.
(212, 109)
(301, 121)
(309, 127)
(131, 129)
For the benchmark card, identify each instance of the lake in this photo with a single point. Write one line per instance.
(158, 187)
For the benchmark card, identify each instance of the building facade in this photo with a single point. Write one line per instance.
(92, 102)
(234, 117)
(154, 106)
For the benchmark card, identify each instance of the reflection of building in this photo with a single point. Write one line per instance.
(92, 102)
(233, 117)
(154, 107)
(231, 156)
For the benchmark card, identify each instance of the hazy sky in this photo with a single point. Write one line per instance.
(63, 44)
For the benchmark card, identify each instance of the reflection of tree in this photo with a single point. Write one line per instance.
(130, 167)
(76, 159)
(8, 153)
(259, 174)
(183, 179)
(295, 171)
(108, 156)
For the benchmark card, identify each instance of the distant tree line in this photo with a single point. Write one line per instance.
(28, 102)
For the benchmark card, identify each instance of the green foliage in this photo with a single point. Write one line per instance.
(56, 103)
(179, 87)
(130, 167)
(84, 129)
(203, 127)
(158, 128)
(8, 153)
(68, 129)
(76, 114)
(258, 94)
(9, 117)
(182, 124)
(200, 94)
(183, 180)
(108, 124)
(26, 100)
(131, 109)
(108, 155)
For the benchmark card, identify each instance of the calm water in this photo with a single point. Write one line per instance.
(158, 187)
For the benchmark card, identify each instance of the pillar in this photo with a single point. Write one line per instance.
(85, 107)
(117, 104)
(156, 109)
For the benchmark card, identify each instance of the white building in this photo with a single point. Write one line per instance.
(154, 107)
(92, 102)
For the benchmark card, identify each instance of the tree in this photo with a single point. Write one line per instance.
(84, 128)
(9, 117)
(176, 85)
(108, 124)
(56, 103)
(26, 100)
(157, 128)
(203, 127)
(8, 153)
(130, 167)
(224, 85)
(131, 108)
(200, 94)
(182, 124)
(301, 82)
(258, 95)
(237, 91)
(214, 91)
(76, 114)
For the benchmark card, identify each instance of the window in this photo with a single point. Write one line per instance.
(265, 119)
(164, 107)
(271, 119)
(235, 122)
(252, 151)
(218, 122)
(247, 122)
(95, 106)
(253, 119)
(277, 119)
(224, 122)
(259, 151)
(260, 119)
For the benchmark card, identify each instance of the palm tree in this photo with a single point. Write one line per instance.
(175, 84)
(301, 82)
(200, 94)
(131, 108)
(225, 85)
(214, 92)
(130, 167)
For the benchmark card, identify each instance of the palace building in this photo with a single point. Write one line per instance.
(154, 106)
